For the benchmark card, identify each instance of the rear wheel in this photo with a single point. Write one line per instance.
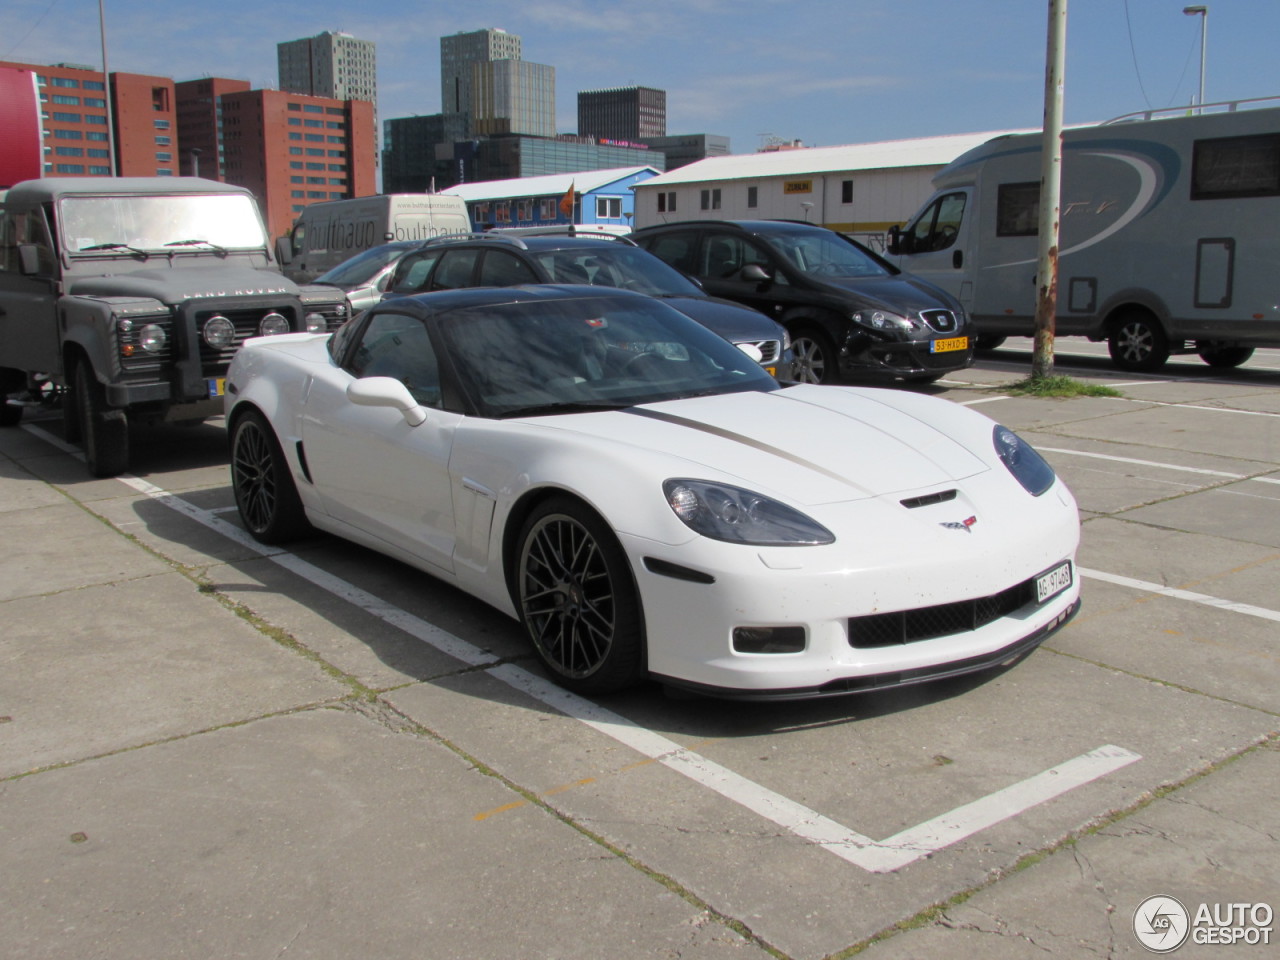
(11, 381)
(266, 495)
(1225, 356)
(1137, 342)
(816, 360)
(577, 599)
(104, 431)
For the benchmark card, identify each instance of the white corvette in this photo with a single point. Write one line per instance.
(649, 502)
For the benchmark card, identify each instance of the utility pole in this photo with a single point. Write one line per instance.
(106, 92)
(1201, 11)
(1050, 193)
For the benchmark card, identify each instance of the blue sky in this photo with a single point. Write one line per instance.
(821, 71)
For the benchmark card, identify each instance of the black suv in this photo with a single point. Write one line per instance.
(848, 310)
(504, 260)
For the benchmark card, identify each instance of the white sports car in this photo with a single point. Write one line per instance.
(648, 502)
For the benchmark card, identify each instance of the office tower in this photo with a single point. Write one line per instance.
(513, 97)
(457, 54)
(622, 113)
(334, 65)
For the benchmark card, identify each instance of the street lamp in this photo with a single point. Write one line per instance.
(1202, 11)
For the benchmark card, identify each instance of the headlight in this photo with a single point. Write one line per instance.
(886, 322)
(724, 512)
(272, 325)
(316, 323)
(219, 332)
(1028, 467)
(152, 338)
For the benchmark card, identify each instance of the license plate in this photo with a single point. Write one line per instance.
(217, 387)
(946, 346)
(1054, 582)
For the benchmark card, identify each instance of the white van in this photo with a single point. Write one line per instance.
(1168, 239)
(326, 234)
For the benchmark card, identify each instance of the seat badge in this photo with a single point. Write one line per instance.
(966, 524)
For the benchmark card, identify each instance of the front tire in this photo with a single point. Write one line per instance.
(1137, 342)
(577, 599)
(266, 495)
(816, 359)
(104, 431)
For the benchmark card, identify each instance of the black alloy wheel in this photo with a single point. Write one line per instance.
(266, 495)
(816, 360)
(577, 599)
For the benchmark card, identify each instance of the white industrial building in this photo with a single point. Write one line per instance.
(859, 189)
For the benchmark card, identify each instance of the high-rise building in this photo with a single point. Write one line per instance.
(202, 150)
(457, 54)
(333, 65)
(73, 102)
(417, 152)
(622, 113)
(513, 97)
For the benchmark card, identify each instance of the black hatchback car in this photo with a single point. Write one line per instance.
(505, 260)
(848, 310)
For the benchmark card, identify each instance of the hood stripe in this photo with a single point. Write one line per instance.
(745, 441)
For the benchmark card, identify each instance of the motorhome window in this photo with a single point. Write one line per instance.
(1018, 210)
(1236, 167)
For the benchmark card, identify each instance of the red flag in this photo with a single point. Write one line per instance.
(566, 202)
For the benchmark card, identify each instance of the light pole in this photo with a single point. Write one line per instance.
(1202, 11)
(112, 153)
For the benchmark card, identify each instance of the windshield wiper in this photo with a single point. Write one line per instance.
(115, 246)
(221, 251)
(562, 406)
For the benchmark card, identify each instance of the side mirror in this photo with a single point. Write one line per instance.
(28, 259)
(755, 273)
(893, 244)
(284, 250)
(386, 392)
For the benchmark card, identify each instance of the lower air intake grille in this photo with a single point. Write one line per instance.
(925, 623)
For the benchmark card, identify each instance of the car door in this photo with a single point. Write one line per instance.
(720, 262)
(372, 468)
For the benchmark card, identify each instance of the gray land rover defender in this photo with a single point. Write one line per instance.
(125, 298)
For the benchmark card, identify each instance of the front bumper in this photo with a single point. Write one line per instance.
(903, 358)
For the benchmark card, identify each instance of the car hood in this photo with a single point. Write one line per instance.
(808, 444)
(895, 294)
(174, 286)
(731, 320)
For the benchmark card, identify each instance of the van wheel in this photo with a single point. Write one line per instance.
(815, 356)
(104, 431)
(1225, 356)
(987, 341)
(1137, 342)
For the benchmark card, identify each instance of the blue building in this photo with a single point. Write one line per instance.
(600, 197)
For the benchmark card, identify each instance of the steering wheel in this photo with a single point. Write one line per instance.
(645, 366)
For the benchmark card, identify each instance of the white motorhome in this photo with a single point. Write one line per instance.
(1168, 239)
(326, 234)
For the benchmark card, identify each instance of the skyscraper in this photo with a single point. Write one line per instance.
(458, 52)
(333, 65)
(622, 113)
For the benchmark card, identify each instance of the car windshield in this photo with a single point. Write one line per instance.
(557, 356)
(176, 222)
(610, 264)
(826, 253)
(361, 268)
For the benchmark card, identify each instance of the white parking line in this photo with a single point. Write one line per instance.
(1201, 598)
(1158, 464)
(873, 856)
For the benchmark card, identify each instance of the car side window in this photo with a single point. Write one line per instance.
(411, 275)
(501, 269)
(455, 269)
(676, 249)
(724, 255)
(399, 347)
(936, 228)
